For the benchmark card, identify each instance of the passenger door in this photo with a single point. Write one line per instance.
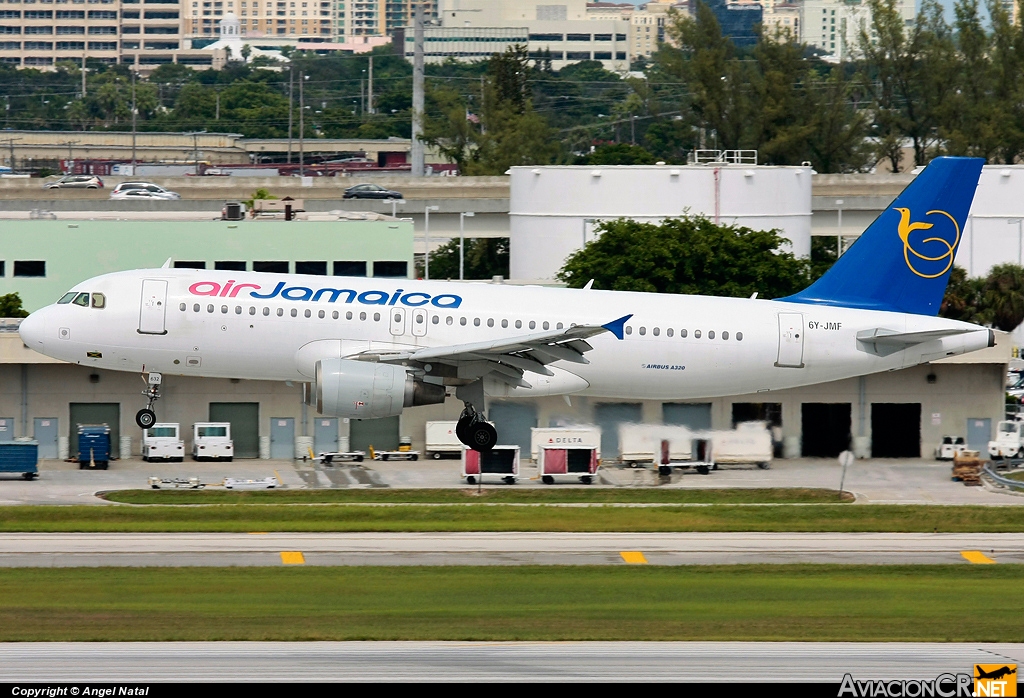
(154, 306)
(419, 322)
(397, 316)
(791, 340)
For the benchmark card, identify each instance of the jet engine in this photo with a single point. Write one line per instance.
(365, 390)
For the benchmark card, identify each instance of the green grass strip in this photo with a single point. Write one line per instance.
(265, 517)
(771, 602)
(468, 495)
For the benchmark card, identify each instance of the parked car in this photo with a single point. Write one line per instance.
(371, 191)
(76, 182)
(152, 191)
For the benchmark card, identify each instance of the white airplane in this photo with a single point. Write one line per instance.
(367, 348)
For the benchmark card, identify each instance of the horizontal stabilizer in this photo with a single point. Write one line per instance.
(883, 342)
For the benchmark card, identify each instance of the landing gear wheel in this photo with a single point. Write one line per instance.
(482, 436)
(462, 429)
(145, 418)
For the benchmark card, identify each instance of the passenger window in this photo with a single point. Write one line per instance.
(362, 316)
(335, 315)
(519, 324)
(546, 325)
(711, 334)
(266, 311)
(490, 322)
(504, 323)
(682, 333)
(348, 315)
(419, 319)
(307, 313)
(462, 321)
(656, 331)
(668, 332)
(321, 315)
(725, 335)
(448, 320)
(224, 309)
(181, 307)
(209, 308)
(696, 334)
(476, 322)
(195, 308)
(739, 336)
(376, 317)
(435, 319)
(280, 312)
(629, 330)
(295, 313)
(67, 297)
(252, 310)
(643, 331)
(238, 310)
(99, 300)
(558, 326)
(533, 325)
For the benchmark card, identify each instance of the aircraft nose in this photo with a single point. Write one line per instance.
(32, 330)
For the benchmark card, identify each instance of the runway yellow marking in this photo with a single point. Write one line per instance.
(633, 557)
(977, 557)
(292, 557)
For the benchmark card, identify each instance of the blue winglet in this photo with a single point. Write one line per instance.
(616, 326)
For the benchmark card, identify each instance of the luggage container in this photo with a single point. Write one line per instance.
(564, 437)
(93, 446)
(748, 443)
(565, 463)
(163, 442)
(701, 458)
(20, 456)
(641, 443)
(212, 441)
(500, 461)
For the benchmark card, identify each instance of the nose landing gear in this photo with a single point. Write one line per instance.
(146, 418)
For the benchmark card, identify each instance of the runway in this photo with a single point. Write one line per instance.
(514, 548)
(719, 662)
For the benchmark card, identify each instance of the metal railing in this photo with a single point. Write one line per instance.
(10, 324)
(722, 157)
(1000, 480)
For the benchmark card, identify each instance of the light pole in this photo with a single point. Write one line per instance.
(394, 206)
(1020, 238)
(839, 228)
(462, 240)
(302, 127)
(426, 240)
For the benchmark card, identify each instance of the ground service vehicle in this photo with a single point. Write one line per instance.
(162, 442)
(212, 441)
(1008, 443)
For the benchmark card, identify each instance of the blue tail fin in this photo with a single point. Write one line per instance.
(902, 261)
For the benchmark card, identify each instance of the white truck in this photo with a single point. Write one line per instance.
(564, 437)
(212, 441)
(1008, 443)
(162, 442)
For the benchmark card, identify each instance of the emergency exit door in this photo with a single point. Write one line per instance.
(791, 340)
(397, 316)
(154, 307)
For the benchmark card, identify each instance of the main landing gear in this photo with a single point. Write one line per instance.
(475, 432)
(146, 418)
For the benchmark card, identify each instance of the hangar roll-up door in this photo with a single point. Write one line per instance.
(695, 415)
(381, 433)
(108, 413)
(513, 420)
(895, 429)
(245, 425)
(609, 415)
(826, 428)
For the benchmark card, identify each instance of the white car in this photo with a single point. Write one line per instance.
(142, 190)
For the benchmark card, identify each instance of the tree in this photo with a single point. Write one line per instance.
(10, 306)
(483, 258)
(1002, 296)
(687, 255)
(618, 154)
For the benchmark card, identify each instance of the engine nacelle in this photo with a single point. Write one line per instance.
(366, 390)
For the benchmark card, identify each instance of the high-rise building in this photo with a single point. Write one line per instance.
(302, 19)
(357, 18)
(835, 26)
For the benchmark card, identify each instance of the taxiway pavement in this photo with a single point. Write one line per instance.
(272, 549)
(718, 662)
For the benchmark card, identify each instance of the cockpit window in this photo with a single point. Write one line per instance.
(82, 299)
(99, 300)
(66, 298)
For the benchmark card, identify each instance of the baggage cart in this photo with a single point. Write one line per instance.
(341, 456)
(394, 455)
(235, 483)
(641, 443)
(93, 446)
(20, 456)
(564, 437)
(191, 483)
(162, 442)
(565, 463)
(501, 462)
(701, 459)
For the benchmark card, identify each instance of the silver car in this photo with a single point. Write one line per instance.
(76, 182)
(142, 190)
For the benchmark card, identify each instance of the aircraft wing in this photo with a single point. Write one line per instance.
(508, 359)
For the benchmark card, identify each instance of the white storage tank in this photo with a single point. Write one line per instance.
(554, 210)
